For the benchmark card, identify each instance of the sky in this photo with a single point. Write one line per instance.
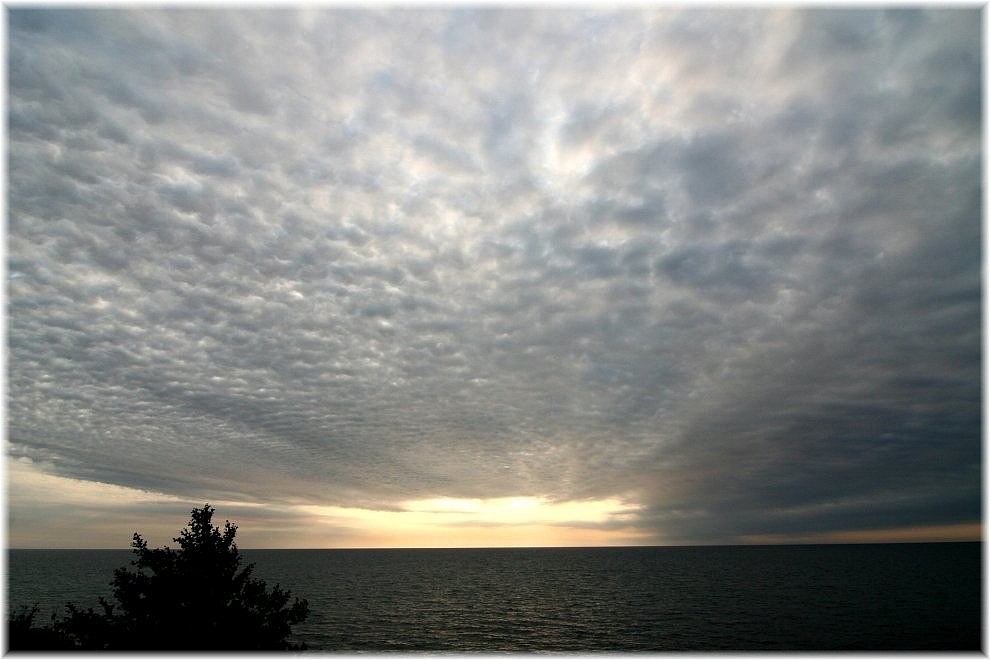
(494, 277)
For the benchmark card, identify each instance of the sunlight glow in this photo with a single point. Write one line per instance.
(97, 515)
(503, 521)
(519, 510)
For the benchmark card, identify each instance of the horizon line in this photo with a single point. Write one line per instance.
(555, 547)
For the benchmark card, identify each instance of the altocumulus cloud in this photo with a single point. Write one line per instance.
(722, 266)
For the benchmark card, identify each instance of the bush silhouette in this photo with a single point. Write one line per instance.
(195, 598)
(23, 636)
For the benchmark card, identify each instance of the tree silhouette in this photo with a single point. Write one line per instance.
(195, 598)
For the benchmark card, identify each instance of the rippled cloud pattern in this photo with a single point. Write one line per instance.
(723, 266)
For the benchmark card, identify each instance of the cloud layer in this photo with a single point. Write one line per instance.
(724, 265)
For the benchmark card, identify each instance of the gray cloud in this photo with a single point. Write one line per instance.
(725, 265)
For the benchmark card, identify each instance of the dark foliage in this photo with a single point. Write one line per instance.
(195, 598)
(24, 636)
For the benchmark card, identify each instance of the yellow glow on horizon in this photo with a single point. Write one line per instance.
(503, 521)
(46, 510)
(517, 510)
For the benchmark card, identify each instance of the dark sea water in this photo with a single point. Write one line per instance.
(810, 597)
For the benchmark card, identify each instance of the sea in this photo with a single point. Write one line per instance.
(870, 597)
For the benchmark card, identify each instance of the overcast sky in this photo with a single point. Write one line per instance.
(470, 277)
